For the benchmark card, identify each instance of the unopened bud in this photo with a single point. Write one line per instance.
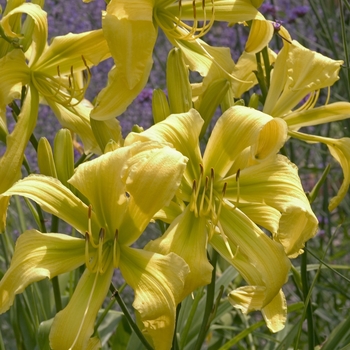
(160, 106)
(46, 161)
(64, 157)
(178, 85)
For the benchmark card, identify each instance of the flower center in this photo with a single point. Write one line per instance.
(98, 256)
(66, 90)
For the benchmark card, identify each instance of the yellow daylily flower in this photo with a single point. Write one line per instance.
(130, 28)
(47, 72)
(125, 188)
(300, 73)
(216, 203)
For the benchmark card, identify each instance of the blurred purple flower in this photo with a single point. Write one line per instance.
(298, 12)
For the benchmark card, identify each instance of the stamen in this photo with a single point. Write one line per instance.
(63, 90)
(89, 227)
(238, 187)
(89, 266)
(116, 250)
(195, 192)
(201, 207)
(100, 250)
(224, 237)
(181, 30)
(193, 201)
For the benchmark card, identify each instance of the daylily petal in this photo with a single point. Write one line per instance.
(152, 179)
(207, 60)
(56, 199)
(40, 28)
(276, 183)
(262, 214)
(11, 161)
(319, 115)
(100, 182)
(261, 261)
(113, 100)
(180, 130)
(275, 313)
(238, 128)
(36, 257)
(129, 30)
(158, 283)
(169, 213)
(73, 326)
(187, 237)
(249, 298)
(67, 51)
(260, 35)
(15, 74)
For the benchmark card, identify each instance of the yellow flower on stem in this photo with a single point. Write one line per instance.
(300, 73)
(125, 188)
(238, 183)
(130, 28)
(46, 72)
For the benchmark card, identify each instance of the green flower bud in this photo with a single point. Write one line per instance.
(105, 131)
(254, 101)
(160, 106)
(64, 157)
(178, 85)
(210, 100)
(46, 161)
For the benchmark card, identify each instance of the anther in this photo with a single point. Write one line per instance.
(238, 187)
(101, 238)
(116, 250)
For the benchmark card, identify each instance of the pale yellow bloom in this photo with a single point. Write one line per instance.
(125, 188)
(238, 183)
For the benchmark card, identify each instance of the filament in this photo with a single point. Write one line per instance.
(193, 31)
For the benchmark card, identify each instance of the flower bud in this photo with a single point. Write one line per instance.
(64, 157)
(178, 85)
(210, 100)
(254, 101)
(46, 161)
(160, 106)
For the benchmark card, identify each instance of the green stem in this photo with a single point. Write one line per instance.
(308, 305)
(116, 295)
(187, 327)
(209, 304)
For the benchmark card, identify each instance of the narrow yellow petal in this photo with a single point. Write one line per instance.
(11, 161)
(114, 99)
(130, 33)
(238, 128)
(76, 320)
(38, 256)
(56, 199)
(73, 50)
(182, 131)
(158, 282)
(152, 179)
(276, 183)
(187, 237)
(260, 35)
(40, 28)
(100, 181)
(319, 115)
(260, 260)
